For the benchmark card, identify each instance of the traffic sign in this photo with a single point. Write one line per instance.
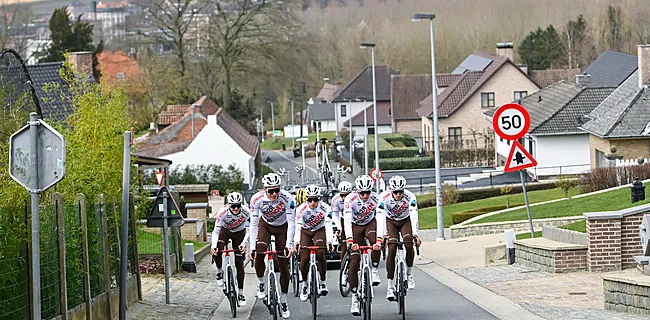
(519, 158)
(50, 157)
(174, 215)
(511, 121)
(373, 174)
(159, 177)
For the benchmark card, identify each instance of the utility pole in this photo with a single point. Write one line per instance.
(293, 129)
(302, 101)
(272, 121)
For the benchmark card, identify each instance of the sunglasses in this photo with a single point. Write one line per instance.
(272, 191)
(398, 192)
(312, 199)
(364, 193)
(235, 206)
(343, 195)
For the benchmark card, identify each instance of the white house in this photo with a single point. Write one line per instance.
(212, 139)
(383, 121)
(322, 114)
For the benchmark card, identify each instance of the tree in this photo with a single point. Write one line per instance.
(67, 36)
(578, 45)
(541, 48)
(565, 183)
(613, 33)
(14, 19)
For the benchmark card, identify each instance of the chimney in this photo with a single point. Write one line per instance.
(93, 7)
(643, 54)
(505, 49)
(152, 128)
(523, 67)
(583, 80)
(133, 54)
(82, 63)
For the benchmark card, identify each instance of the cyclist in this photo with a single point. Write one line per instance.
(276, 208)
(316, 229)
(230, 224)
(300, 196)
(401, 216)
(338, 201)
(359, 217)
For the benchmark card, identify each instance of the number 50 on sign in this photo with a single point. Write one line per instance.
(511, 121)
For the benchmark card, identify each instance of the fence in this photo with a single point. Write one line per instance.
(79, 258)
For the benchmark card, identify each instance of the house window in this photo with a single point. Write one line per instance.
(600, 159)
(343, 111)
(530, 147)
(371, 130)
(455, 138)
(120, 76)
(487, 100)
(520, 94)
(501, 139)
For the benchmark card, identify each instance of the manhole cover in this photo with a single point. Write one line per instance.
(577, 293)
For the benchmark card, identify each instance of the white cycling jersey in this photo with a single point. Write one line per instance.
(361, 213)
(313, 220)
(226, 219)
(337, 210)
(407, 207)
(274, 213)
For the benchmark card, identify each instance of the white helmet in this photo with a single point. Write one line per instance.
(396, 183)
(312, 191)
(345, 187)
(271, 180)
(235, 197)
(364, 183)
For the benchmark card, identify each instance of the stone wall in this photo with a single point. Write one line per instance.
(550, 256)
(460, 231)
(562, 235)
(627, 291)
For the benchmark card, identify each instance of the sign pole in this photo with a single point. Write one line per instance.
(126, 176)
(523, 187)
(36, 226)
(166, 246)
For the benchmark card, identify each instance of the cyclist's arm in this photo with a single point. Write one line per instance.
(216, 231)
(297, 234)
(347, 220)
(336, 215)
(291, 220)
(413, 214)
(244, 242)
(253, 228)
(380, 215)
(329, 231)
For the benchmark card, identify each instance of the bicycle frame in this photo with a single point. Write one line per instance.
(230, 287)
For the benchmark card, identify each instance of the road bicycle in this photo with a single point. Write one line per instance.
(344, 285)
(400, 284)
(230, 289)
(314, 280)
(325, 169)
(365, 291)
(271, 301)
(295, 274)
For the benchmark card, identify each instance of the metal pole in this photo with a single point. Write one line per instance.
(350, 129)
(374, 99)
(192, 121)
(166, 246)
(304, 168)
(318, 145)
(293, 129)
(436, 140)
(272, 121)
(262, 119)
(126, 176)
(302, 100)
(36, 225)
(523, 187)
(365, 135)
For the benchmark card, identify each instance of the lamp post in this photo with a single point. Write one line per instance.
(436, 141)
(293, 130)
(365, 134)
(272, 121)
(374, 107)
(304, 168)
(262, 121)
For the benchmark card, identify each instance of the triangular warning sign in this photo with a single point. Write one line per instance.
(159, 177)
(174, 215)
(519, 158)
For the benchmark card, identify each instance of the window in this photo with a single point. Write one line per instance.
(487, 100)
(520, 94)
(600, 159)
(371, 130)
(530, 147)
(501, 139)
(343, 111)
(120, 76)
(455, 138)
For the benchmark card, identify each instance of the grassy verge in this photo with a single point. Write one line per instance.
(151, 243)
(580, 226)
(607, 201)
(270, 144)
(428, 215)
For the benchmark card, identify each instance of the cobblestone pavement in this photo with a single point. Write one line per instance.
(577, 295)
(192, 295)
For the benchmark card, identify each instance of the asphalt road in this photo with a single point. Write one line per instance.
(429, 300)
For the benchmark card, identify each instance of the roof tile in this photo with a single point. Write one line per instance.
(545, 78)
(406, 93)
(361, 85)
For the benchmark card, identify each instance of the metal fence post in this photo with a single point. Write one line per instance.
(107, 264)
(81, 205)
(491, 179)
(136, 254)
(60, 219)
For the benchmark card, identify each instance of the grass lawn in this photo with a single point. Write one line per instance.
(151, 243)
(269, 144)
(580, 226)
(607, 201)
(428, 215)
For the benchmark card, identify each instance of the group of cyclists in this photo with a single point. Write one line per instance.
(357, 215)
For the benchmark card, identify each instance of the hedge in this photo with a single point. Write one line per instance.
(404, 163)
(471, 195)
(458, 217)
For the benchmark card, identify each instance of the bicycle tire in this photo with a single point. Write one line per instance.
(232, 294)
(295, 276)
(314, 292)
(345, 269)
(273, 299)
(400, 292)
(367, 306)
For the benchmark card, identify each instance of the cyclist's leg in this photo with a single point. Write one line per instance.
(319, 240)
(393, 235)
(371, 235)
(280, 233)
(355, 257)
(237, 239)
(407, 235)
(223, 239)
(305, 240)
(344, 247)
(263, 240)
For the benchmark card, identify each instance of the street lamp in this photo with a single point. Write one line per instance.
(304, 168)
(293, 130)
(436, 141)
(272, 121)
(365, 45)
(365, 134)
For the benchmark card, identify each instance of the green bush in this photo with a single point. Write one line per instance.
(485, 210)
(471, 195)
(459, 217)
(404, 163)
(397, 144)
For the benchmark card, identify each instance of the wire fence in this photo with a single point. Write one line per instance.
(14, 267)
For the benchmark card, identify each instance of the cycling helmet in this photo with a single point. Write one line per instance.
(312, 191)
(364, 183)
(300, 196)
(345, 187)
(271, 180)
(396, 183)
(235, 197)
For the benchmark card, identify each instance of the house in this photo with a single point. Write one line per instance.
(384, 121)
(545, 78)
(207, 135)
(481, 82)
(623, 119)
(358, 94)
(327, 93)
(116, 66)
(322, 114)
(611, 68)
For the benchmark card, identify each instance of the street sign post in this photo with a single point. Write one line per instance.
(373, 174)
(511, 122)
(37, 162)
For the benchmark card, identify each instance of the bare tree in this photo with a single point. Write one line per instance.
(14, 29)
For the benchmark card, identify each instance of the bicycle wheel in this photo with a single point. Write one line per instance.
(313, 282)
(401, 291)
(273, 298)
(232, 293)
(367, 306)
(295, 275)
(345, 268)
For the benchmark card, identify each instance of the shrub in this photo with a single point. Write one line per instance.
(604, 178)
(478, 194)
(404, 163)
(565, 183)
(505, 190)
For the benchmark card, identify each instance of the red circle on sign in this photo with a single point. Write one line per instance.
(497, 116)
(373, 173)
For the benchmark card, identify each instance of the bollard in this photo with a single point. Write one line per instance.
(188, 261)
(510, 245)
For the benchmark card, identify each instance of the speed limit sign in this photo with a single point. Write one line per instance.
(511, 121)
